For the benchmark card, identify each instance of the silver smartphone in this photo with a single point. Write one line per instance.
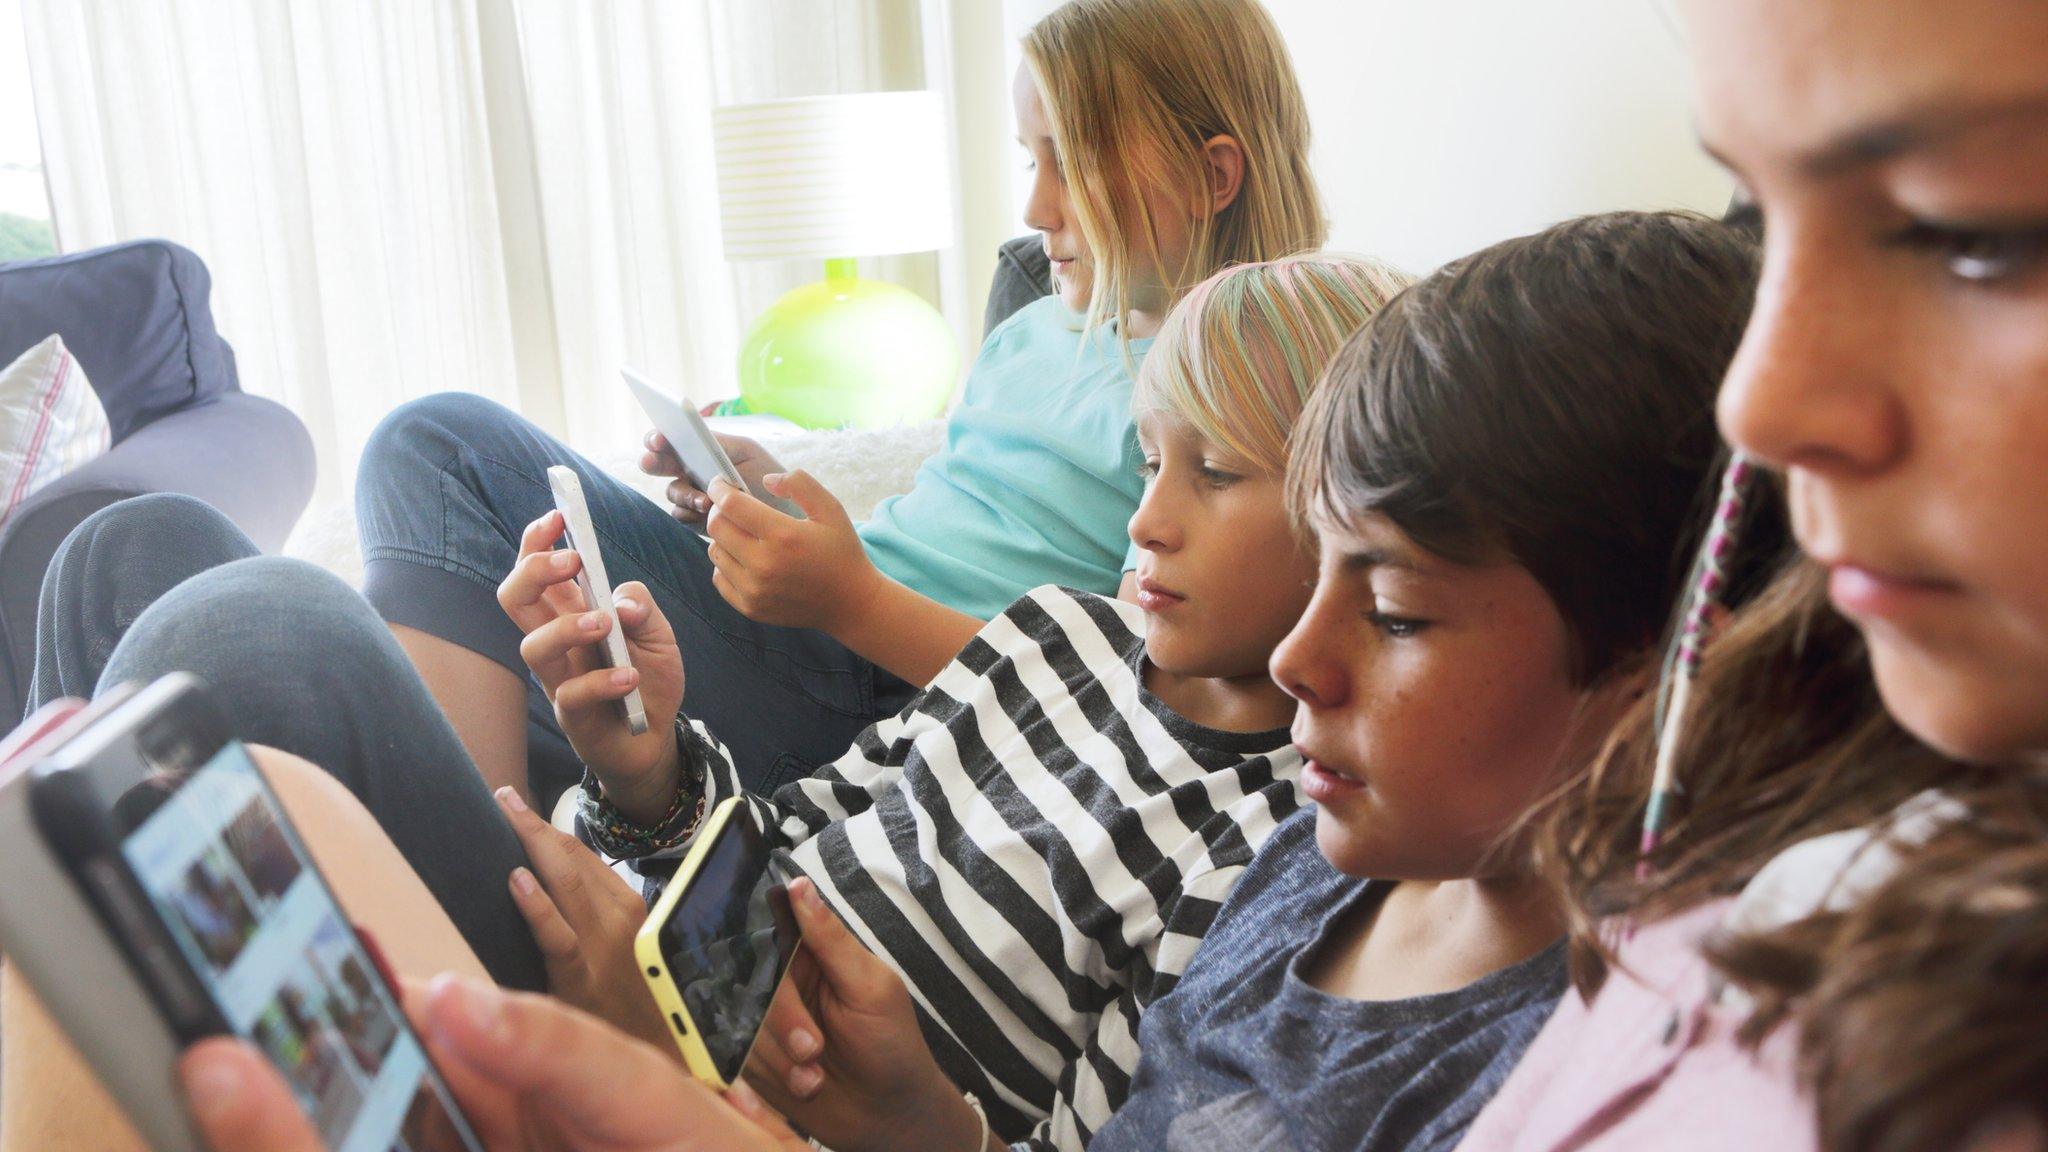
(580, 535)
(696, 445)
(206, 915)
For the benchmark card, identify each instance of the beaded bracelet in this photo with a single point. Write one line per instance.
(622, 838)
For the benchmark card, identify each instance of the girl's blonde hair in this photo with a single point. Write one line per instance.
(1133, 89)
(1239, 355)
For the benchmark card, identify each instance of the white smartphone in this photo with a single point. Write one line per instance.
(695, 444)
(581, 536)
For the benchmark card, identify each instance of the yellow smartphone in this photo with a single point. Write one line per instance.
(718, 942)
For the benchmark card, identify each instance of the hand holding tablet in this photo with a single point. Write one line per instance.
(695, 444)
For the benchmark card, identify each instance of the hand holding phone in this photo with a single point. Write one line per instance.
(583, 915)
(528, 1071)
(186, 874)
(542, 598)
(864, 1076)
(716, 945)
(580, 536)
(700, 453)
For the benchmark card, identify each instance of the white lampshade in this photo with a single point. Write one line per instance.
(834, 176)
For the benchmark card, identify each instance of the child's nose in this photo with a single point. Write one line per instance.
(1303, 669)
(1812, 384)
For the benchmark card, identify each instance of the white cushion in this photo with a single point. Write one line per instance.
(51, 421)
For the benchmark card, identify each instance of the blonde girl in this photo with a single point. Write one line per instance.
(1169, 139)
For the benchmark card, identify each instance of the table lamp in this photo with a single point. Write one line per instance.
(838, 178)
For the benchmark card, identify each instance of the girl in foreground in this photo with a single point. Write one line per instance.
(1842, 939)
(1092, 776)
(1168, 139)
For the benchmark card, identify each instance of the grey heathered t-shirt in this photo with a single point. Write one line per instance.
(1245, 1056)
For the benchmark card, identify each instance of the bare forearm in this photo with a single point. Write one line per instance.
(911, 635)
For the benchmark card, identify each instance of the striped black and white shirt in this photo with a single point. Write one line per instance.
(1037, 844)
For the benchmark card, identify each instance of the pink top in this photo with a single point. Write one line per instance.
(1652, 1063)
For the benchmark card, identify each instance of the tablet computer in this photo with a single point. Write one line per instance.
(695, 444)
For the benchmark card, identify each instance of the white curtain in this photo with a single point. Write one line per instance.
(618, 98)
(508, 197)
(329, 163)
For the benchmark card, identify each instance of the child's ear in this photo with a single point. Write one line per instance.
(1223, 157)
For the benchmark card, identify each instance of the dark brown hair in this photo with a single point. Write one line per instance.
(1921, 1009)
(1548, 401)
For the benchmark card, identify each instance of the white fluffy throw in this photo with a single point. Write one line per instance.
(859, 467)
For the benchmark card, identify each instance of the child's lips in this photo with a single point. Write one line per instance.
(1869, 593)
(1323, 784)
(1155, 597)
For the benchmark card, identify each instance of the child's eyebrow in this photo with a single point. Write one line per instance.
(1366, 559)
(1884, 139)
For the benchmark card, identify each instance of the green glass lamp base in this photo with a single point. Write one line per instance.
(849, 353)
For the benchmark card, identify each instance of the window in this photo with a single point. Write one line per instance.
(25, 230)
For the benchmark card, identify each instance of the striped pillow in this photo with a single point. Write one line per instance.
(50, 421)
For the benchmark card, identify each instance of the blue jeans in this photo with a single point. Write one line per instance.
(164, 583)
(445, 488)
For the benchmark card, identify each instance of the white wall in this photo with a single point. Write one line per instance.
(1444, 125)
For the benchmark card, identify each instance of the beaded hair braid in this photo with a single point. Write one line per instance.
(1682, 657)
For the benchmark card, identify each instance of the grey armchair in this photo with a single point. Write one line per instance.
(138, 318)
(1023, 274)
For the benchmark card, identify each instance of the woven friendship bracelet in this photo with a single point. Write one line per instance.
(617, 836)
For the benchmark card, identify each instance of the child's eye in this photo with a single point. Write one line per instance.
(1397, 627)
(1218, 478)
(1979, 255)
(1148, 467)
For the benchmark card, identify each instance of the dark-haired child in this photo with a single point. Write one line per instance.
(1501, 470)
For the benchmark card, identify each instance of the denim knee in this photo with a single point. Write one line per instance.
(109, 570)
(414, 445)
(159, 530)
(266, 628)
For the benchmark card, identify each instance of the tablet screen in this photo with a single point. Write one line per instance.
(263, 934)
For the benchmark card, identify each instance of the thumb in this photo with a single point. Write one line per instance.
(639, 617)
(842, 959)
(240, 1103)
(814, 498)
(571, 1071)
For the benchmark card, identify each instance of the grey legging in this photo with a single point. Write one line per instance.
(302, 663)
